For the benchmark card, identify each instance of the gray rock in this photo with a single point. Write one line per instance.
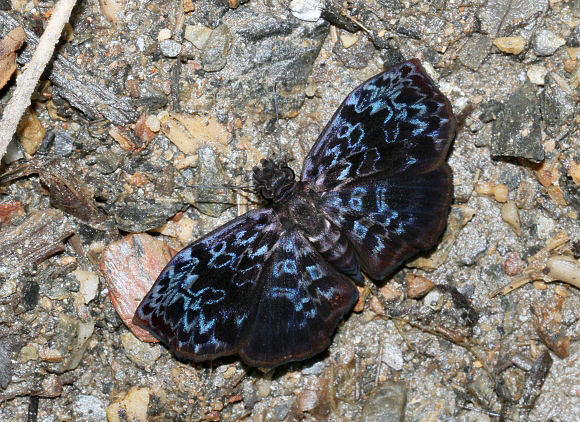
(269, 49)
(150, 98)
(410, 26)
(497, 16)
(386, 403)
(214, 57)
(109, 161)
(307, 10)
(14, 151)
(392, 354)
(282, 410)
(5, 364)
(90, 408)
(63, 143)
(71, 339)
(470, 245)
(475, 51)
(546, 43)
(357, 56)
(556, 100)
(315, 369)
(30, 295)
(140, 353)
(516, 132)
(170, 48)
(111, 316)
(210, 12)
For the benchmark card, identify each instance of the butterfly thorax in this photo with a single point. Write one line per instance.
(274, 180)
(302, 210)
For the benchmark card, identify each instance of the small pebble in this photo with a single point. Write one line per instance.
(170, 48)
(376, 306)
(536, 74)
(153, 123)
(263, 387)
(89, 284)
(500, 193)
(513, 264)
(348, 40)
(484, 188)
(306, 10)
(359, 306)
(197, 35)
(63, 143)
(133, 406)
(563, 268)
(141, 354)
(574, 172)
(14, 152)
(511, 215)
(546, 43)
(30, 132)
(214, 56)
(510, 45)
(164, 34)
(562, 290)
(418, 286)
(390, 293)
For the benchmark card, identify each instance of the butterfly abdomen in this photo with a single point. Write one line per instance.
(337, 251)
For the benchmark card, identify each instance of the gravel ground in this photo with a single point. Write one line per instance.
(201, 84)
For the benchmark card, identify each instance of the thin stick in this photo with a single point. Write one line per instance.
(27, 81)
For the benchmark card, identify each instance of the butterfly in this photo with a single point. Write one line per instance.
(272, 285)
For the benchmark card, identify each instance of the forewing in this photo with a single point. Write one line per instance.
(203, 304)
(390, 220)
(302, 301)
(396, 123)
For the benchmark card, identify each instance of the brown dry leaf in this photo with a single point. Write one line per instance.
(30, 132)
(66, 190)
(37, 238)
(8, 46)
(546, 320)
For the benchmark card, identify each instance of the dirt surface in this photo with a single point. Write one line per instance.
(147, 102)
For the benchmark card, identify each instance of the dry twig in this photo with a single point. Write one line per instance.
(27, 81)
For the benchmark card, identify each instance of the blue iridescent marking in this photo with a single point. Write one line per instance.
(359, 230)
(314, 272)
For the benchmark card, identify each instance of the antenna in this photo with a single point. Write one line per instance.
(277, 122)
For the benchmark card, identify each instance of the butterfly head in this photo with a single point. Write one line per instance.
(273, 179)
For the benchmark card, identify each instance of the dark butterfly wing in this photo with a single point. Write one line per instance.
(305, 298)
(379, 167)
(250, 289)
(203, 303)
(390, 220)
(396, 123)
